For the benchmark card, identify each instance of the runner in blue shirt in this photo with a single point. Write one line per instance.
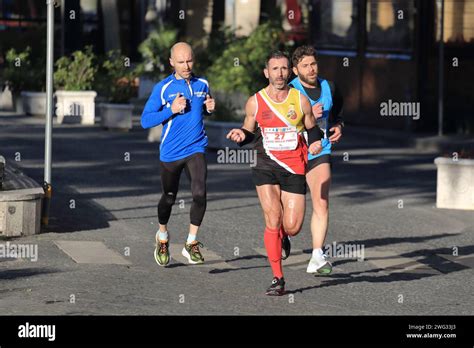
(178, 103)
(327, 105)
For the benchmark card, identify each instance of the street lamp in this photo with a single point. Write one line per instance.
(49, 111)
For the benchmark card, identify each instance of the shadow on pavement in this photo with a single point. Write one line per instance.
(430, 258)
(25, 272)
(71, 212)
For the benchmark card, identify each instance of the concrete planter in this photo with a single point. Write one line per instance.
(116, 116)
(11, 102)
(20, 204)
(18, 104)
(455, 183)
(76, 107)
(34, 103)
(154, 134)
(216, 134)
(145, 87)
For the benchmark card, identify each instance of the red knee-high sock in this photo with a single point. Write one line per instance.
(272, 241)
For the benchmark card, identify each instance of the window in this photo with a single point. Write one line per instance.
(21, 13)
(91, 34)
(390, 25)
(335, 24)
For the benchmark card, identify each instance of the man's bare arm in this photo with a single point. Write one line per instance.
(309, 120)
(314, 133)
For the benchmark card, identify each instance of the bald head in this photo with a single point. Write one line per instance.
(181, 47)
(181, 59)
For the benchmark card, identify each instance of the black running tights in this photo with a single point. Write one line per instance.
(195, 167)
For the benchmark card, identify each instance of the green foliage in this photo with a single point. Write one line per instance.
(76, 73)
(240, 67)
(23, 72)
(116, 78)
(155, 53)
(215, 44)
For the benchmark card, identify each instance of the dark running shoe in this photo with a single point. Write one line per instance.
(277, 288)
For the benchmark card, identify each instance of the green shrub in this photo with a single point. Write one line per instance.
(240, 67)
(76, 73)
(155, 53)
(23, 73)
(215, 45)
(116, 78)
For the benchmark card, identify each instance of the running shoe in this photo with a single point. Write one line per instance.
(192, 253)
(319, 265)
(162, 253)
(286, 247)
(277, 288)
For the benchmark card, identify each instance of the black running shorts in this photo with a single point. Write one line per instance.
(317, 161)
(289, 182)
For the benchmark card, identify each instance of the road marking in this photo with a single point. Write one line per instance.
(297, 259)
(393, 262)
(211, 259)
(465, 260)
(91, 252)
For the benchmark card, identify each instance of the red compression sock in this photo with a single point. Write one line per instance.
(272, 241)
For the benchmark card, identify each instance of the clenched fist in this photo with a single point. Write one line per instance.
(237, 135)
(210, 103)
(315, 147)
(179, 104)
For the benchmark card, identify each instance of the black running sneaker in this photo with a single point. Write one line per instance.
(277, 288)
(286, 247)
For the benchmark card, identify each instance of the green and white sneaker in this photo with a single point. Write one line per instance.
(162, 253)
(192, 252)
(319, 265)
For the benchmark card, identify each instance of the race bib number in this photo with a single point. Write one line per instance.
(280, 139)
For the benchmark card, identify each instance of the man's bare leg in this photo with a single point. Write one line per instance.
(293, 205)
(319, 181)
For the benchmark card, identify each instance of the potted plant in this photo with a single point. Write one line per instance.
(73, 81)
(455, 178)
(118, 86)
(26, 80)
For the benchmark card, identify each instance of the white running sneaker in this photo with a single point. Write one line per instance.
(319, 265)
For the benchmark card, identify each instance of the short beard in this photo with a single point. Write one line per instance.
(312, 83)
(283, 86)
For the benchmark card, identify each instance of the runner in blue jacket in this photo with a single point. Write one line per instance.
(178, 103)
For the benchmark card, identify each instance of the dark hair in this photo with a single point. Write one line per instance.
(302, 52)
(277, 54)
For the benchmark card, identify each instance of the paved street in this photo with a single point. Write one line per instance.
(382, 199)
